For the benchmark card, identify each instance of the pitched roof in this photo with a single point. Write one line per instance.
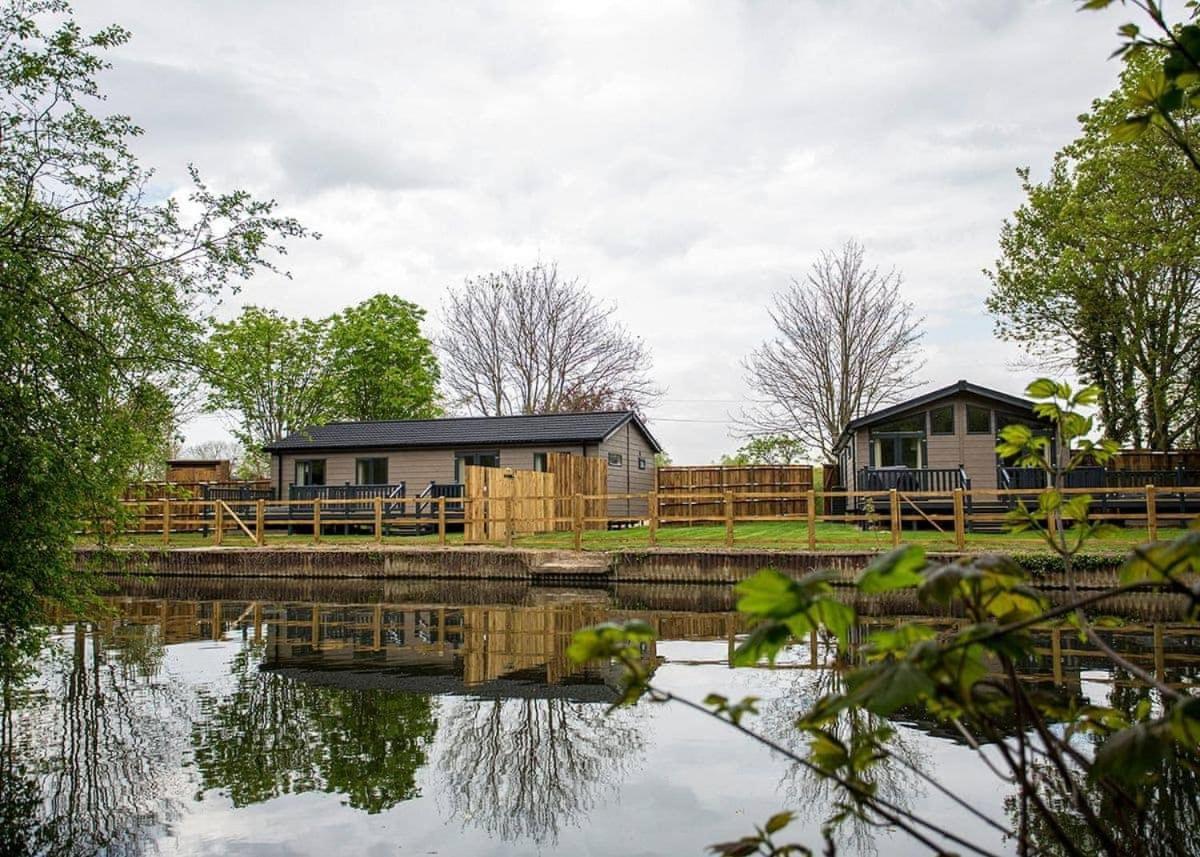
(930, 397)
(590, 427)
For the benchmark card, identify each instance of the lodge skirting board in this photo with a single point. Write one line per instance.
(661, 565)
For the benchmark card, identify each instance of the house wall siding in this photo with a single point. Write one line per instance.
(629, 441)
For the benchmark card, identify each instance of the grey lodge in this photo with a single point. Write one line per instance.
(413, 457)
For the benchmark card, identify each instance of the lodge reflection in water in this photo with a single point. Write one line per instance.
(380, 703)
(521, 649)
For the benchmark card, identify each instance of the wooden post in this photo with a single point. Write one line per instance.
(508, 519)
(654, 514)
(219, 532)
(1152, 513)
(217, 622)
(810, 502)
(728, 519)
(316, 625)
(894, 514)
(441, 520)
(316, 520)
(1160, 658)
(378, 519)
(257, 622)
(577, 520)
(1056, 655)
(166, 522)
(960, 521)
(377, 628)
(260, 522)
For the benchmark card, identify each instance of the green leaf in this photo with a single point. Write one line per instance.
(765, 641)
(1042, 388)
(779, 821)
(897, 569)
(1128, 130)
(1131, 755)
(835, 616)
(772, 595)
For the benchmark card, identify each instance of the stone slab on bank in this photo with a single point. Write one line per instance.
(658, 565)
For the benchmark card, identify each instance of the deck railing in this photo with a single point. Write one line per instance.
(344, 492)
(953, 513)
(907, 479)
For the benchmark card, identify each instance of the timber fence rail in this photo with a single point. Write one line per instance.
(891, 514)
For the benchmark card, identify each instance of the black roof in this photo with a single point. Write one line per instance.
(930, 397)
(590, 427)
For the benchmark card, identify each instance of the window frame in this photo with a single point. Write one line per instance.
(641, 462)
(616, 459)
(541, 462)
(308, 464)
(374, 459)
(953, 420)
(991, 423)
(474, 455)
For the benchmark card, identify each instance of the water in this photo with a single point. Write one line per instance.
(446, 719)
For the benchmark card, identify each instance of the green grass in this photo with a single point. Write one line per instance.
(749, 536)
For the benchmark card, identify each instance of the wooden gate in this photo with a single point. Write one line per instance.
(500, 500)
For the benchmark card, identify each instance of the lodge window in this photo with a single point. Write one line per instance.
(479, 459)
(371, 471)
(641, 462)
(941, 420)
(899, 442)
(979, 420)
(310, 471)
(615, 459)
(539, 462)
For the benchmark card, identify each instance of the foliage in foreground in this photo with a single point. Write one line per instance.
(101, 288)
(1087, 779)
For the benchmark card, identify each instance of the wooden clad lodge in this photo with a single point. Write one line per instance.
(409, 458)
(946, 439)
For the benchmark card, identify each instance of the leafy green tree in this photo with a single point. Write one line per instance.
(100, 287)
(1100, 271)
(383, 367)
(768, 449)
(270, 372)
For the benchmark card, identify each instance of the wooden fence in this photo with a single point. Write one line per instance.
(1147, 459)
(588, 477)
(953, 513)
(188, 491)
(502, 502)
(688, 494)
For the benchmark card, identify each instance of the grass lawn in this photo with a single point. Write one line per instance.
(764, 535)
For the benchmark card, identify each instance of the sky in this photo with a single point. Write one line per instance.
(685, 160)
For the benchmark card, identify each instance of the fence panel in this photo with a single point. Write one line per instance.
(684, 492)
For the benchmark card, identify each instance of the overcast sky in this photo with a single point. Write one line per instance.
(684, 159)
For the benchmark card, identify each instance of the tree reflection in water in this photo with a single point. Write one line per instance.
(89, 747)
(811, 797)
(525, 768)
(274, 735)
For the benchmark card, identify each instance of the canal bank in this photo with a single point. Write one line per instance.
(659, 565)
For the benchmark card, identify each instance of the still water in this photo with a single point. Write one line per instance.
(258, 717)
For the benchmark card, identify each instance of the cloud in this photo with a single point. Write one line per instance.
(684, 159)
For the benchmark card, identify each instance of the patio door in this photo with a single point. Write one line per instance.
(490, 458)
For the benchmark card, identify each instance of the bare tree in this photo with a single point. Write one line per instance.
(846, 343)
(525, 341)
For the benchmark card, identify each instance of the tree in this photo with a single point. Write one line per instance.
(383, 367)
(1100, 271)
(525, 341)
(768, 449)
(272, 372)
(845, 344)
(100, 287)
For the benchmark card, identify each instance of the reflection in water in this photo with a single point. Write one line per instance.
(272, 736)
(386, 696)
(90, 751)
(524, 768)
